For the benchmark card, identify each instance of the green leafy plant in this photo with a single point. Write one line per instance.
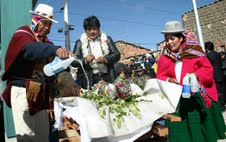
(119, 106)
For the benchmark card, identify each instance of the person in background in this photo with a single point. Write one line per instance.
(119, 66)
(154, 66)
(201, 117)
(222, 53)
(133, 66)
(28, 89)
(152, 59)
(141, 77)
(97, 52)
(137, 60)
(143, 61)
(149, 70)
(148, 56)
(215, 60)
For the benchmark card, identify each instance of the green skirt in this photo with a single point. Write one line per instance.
(199, 124)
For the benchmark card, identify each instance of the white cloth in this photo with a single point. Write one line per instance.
(163, 98)
(96, 48)
(28, 128)
(178, 69)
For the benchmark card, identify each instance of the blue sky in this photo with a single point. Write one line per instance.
(135, 21)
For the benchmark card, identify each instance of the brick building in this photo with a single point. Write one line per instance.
(213, 23)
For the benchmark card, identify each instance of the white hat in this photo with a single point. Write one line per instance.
(148, 55)
(172, 27)
(45, 11)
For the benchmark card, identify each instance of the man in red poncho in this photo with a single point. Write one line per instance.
(28, 89)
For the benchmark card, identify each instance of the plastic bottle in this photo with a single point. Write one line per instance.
(186, 91)
(57, 65)
(194, 83)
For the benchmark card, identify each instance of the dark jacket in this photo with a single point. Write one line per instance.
(216, 62)
(112, 57)
(224, 67)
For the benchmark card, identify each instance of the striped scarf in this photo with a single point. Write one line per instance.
(190, 51)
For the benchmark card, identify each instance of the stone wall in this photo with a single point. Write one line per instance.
(212, 19)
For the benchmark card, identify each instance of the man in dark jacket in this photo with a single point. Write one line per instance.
(223, 55)
(97, 52)
(215, 59)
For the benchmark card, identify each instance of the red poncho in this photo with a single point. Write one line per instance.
(21, 37)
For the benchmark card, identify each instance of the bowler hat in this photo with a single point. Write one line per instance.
(139, 67)
(172, 27)
(44, 11)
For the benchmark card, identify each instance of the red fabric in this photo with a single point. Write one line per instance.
(207, 101)
(18, 41)
(6, 95)
(200, 66)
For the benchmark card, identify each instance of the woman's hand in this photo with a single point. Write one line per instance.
(173, 80)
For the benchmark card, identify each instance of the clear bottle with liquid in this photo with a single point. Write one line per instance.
(194, 83)
(57, 65)
(186, 91)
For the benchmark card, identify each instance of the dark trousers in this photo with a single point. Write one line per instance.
(224, 89)
(221, 95)
(219, 86)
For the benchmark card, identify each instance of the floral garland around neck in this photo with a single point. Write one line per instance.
(85, 48)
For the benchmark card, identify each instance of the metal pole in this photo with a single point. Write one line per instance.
(198, 25)
(67, 33)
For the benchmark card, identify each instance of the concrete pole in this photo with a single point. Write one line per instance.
(198, 25)
(67, 32)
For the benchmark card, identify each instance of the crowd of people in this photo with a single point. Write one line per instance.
(30, 94)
